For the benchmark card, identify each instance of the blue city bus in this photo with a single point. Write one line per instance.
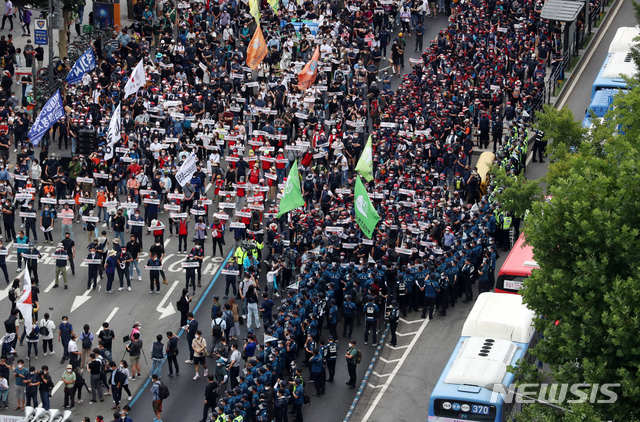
(498, 332)
(618, 61)
(600, 104)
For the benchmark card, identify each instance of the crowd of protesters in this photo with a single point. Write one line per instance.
(476, 83)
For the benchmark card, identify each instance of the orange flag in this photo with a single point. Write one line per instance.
(257, 50)
(309, 72)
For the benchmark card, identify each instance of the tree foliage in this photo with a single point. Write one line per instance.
(564, 134)
(582, 412)
(517, 193)
(586, 241)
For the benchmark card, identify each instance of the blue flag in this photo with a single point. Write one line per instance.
(86, 63)
(50, 113)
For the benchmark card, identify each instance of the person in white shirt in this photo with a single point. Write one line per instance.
(47, 340)
(74, 354)
(218, 320)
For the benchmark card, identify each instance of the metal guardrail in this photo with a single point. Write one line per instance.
(596, 13)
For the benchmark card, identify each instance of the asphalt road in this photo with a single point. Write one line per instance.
(157, 314)
(335, 404)
(401, 381)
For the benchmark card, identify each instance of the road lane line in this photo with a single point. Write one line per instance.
(410, 322)
(395, 372)
(111, 315)
(204, 296)
(406, 334)
(56, 387)
(50, 286)
(601, 33)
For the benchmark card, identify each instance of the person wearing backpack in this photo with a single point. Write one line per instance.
(11, 325)
(157, 400)
(86, 341)
(371, 320)
(352, 361)
(157, 356)
(106, 336)
(227, 315)
(32, 339)
(218, 329)
(14, 294)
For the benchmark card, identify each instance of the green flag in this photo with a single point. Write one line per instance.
(366, 215)
(291, 194)
(365, 163)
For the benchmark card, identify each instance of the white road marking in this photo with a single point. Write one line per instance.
(80, 300)
(111, 315)
(380, 375)
(50, 286)
(410, 322)
(169, 309)
(395, 371)
(398, 347)
(166, 242)
(5, 292)
(406, 334)
(56, 387)
(601, 33)
(389, 361)
(369, 384)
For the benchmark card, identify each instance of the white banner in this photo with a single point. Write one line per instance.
(113, 135)
(187, 170)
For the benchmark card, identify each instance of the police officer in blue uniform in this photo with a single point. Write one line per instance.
(371, 311)
(331, 357)
(394, 317)
(431, 289)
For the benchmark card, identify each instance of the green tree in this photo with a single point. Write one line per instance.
(516, 193)
(582, 412)
(564, 134)
(586, 241)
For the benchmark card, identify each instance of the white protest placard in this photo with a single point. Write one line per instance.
(27, 214)
(190, 264)
(136, 223)
(154, 267)
(229, 272)
(91, 201)
(89, 219)
(84, 179)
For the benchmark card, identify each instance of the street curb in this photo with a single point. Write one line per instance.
(367, 374)
(204, 296)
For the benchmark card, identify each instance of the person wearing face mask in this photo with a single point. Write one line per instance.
(3, 263)
(119, 222)
(32, 382)
(70, 247)
(117, 379)
(69, 379)
(30, 222)
(21, 375)
(45, 387)
(136, 230)
(8, 217)
(47, 221)
(67, 221)
(199, 346)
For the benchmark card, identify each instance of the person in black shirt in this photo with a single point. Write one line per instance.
(70, 247)
(95, 367)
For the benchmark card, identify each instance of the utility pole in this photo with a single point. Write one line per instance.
(50, 36)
